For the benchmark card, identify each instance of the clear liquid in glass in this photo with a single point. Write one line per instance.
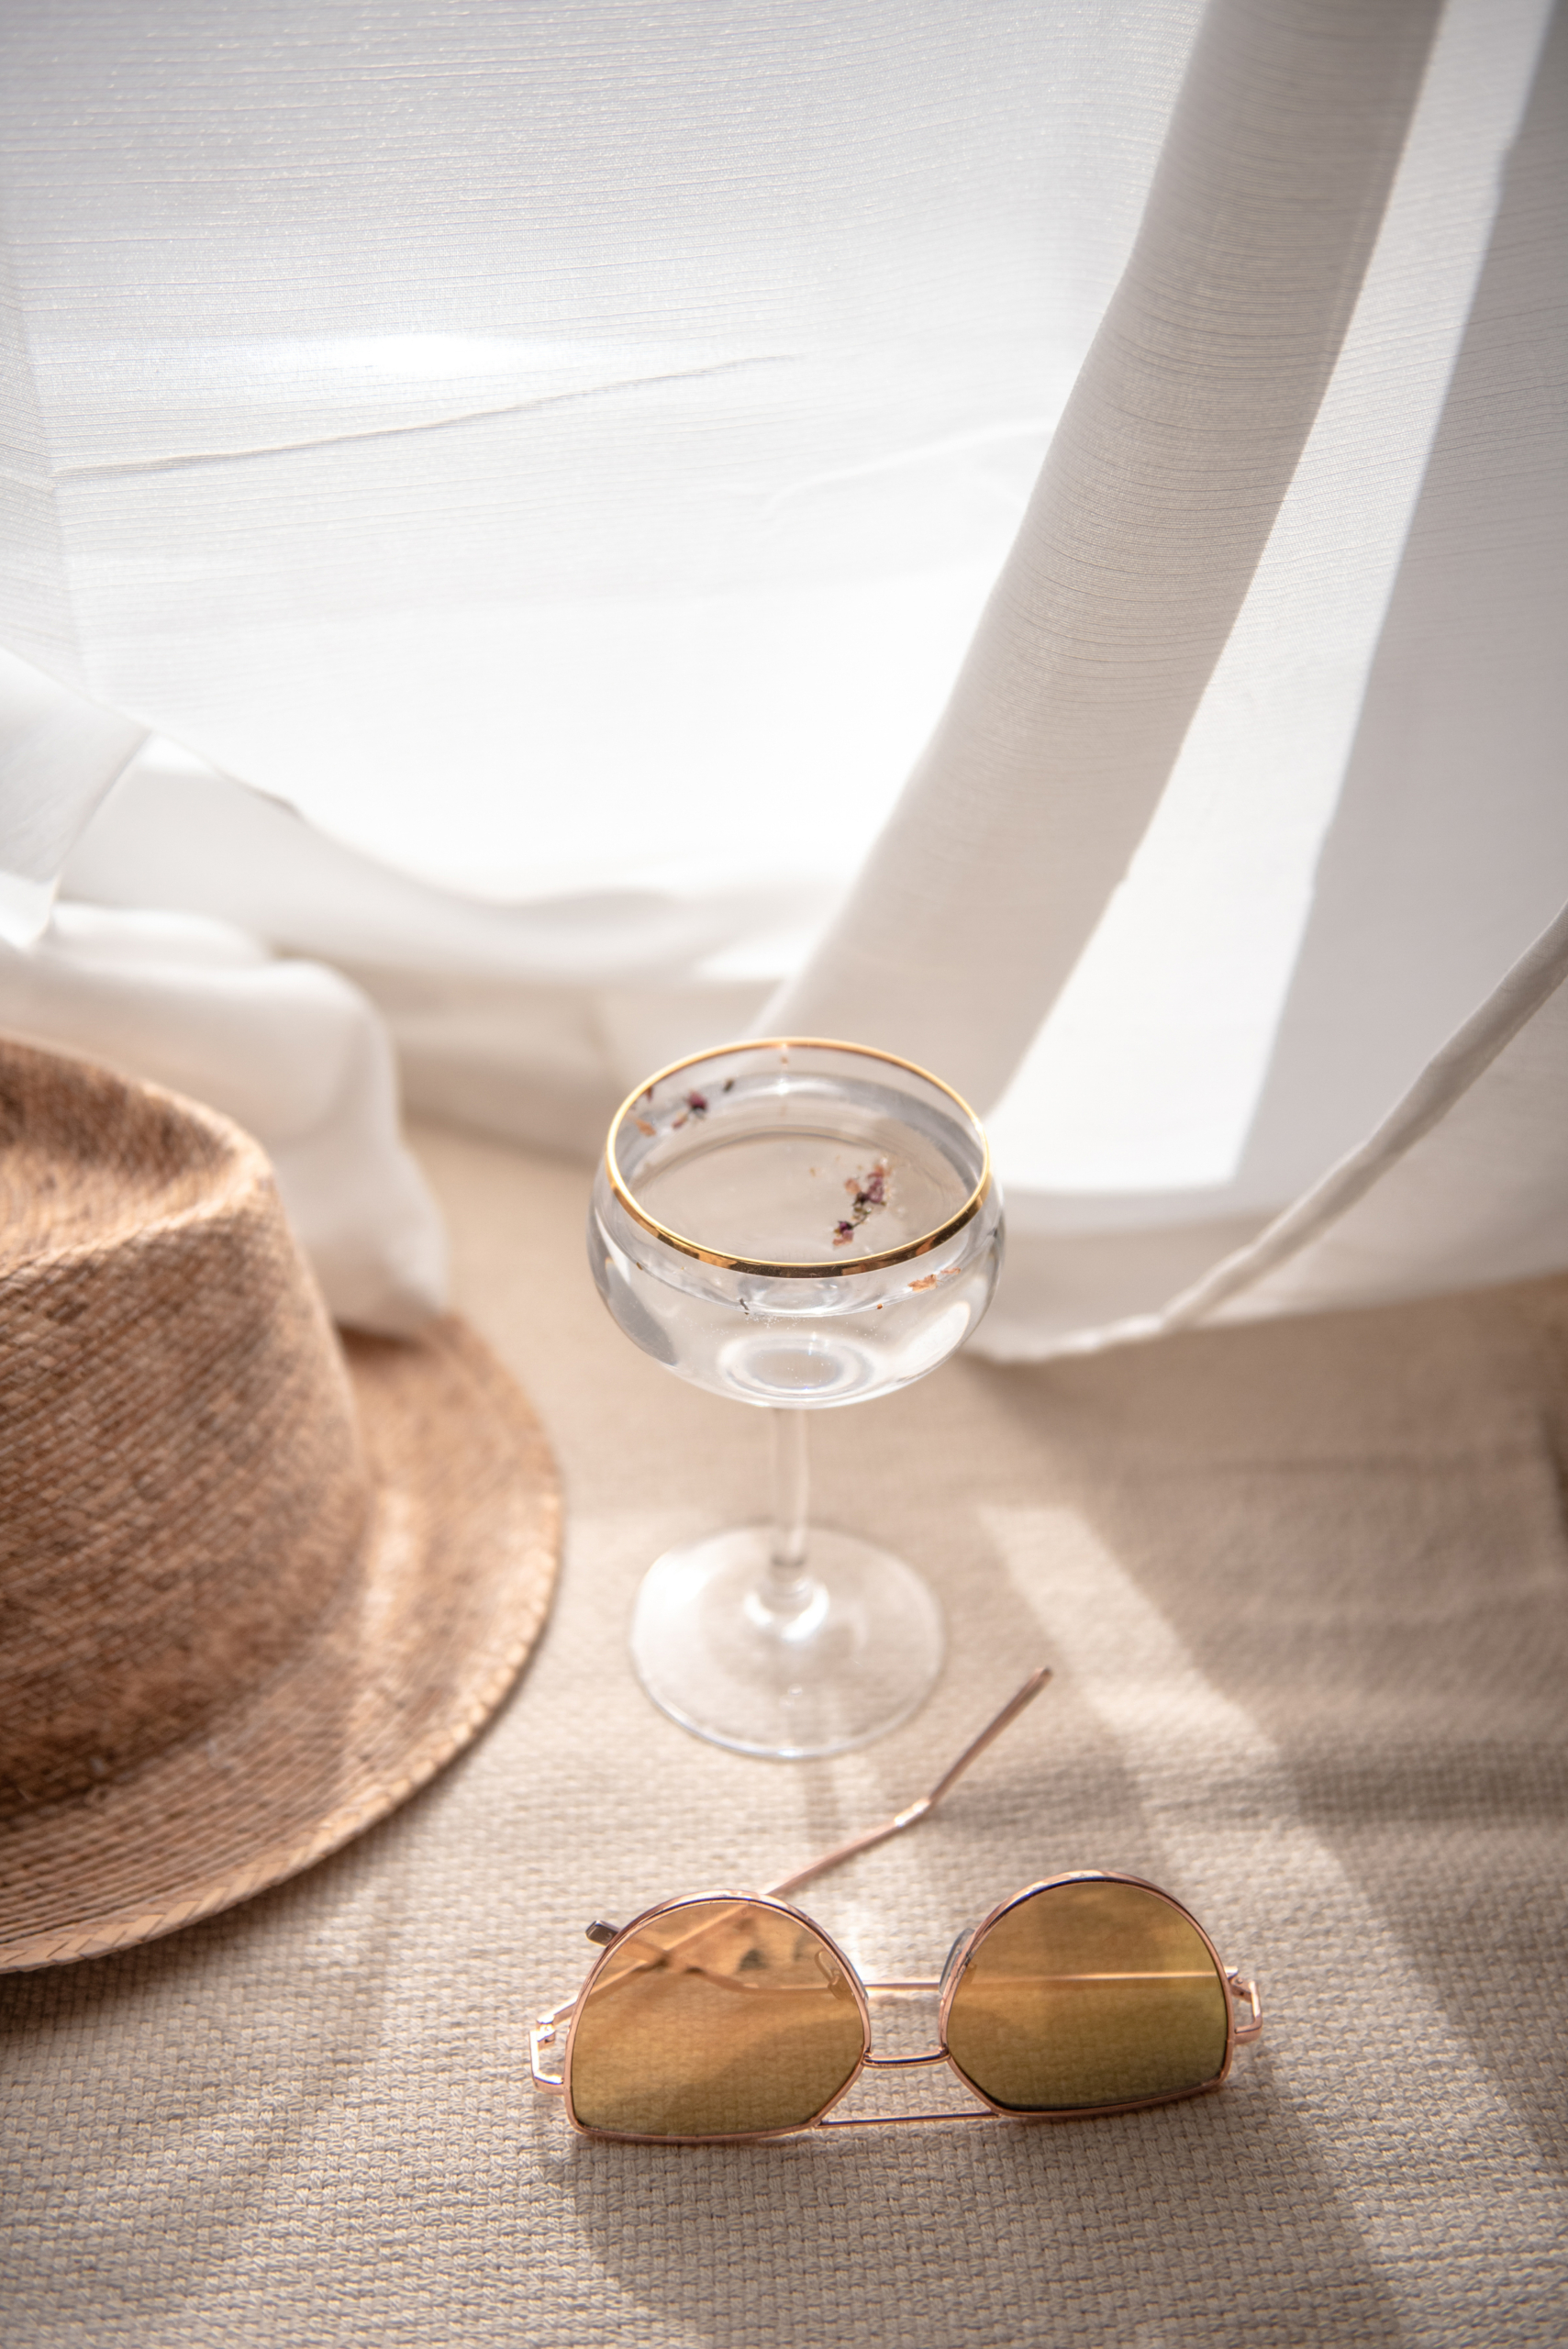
(810, 1169)
(756, 1192)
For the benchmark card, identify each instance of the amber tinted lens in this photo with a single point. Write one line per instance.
(1089, 1993)
(714, 2018)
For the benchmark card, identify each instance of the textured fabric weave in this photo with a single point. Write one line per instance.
(1303, 1586)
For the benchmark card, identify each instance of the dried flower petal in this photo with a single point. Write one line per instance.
(865, 1192)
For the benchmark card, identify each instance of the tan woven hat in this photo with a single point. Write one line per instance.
(256, 1584)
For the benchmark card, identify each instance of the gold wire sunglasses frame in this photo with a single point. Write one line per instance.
(683, 1930)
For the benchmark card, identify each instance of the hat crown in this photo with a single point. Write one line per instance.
(182, 1493)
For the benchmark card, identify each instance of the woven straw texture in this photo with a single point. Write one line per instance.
(1304, 1588)
(253, 1588)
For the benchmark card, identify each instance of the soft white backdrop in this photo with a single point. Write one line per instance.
(566, 457)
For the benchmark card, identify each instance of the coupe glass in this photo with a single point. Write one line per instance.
(795, 1224)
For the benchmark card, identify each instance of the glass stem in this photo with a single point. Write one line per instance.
(789, 1587)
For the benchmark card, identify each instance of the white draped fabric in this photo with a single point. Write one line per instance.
(511, 494)
(289, 1049)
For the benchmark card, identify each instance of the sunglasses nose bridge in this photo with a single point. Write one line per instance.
(885, 2000)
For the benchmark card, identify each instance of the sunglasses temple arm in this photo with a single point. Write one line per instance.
(926, 1803)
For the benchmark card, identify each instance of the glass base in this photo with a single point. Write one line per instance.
(859, 1647)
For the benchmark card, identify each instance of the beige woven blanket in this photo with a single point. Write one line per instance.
(1304, 1587)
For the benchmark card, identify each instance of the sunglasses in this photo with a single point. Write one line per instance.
(732, 2017)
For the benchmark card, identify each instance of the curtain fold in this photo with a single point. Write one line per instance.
(1449, 849)
(1468, 1172)
(60, 756)
(1163, 482)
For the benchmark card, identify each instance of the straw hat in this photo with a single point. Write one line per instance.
(256, 1585)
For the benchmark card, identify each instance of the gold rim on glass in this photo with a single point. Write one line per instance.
(830, 1268)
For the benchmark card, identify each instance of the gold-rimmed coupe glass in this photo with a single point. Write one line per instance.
(797, 1224)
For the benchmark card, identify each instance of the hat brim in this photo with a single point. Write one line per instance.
(430, 1628)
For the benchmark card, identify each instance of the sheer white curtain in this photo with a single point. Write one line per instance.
(572, 459)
